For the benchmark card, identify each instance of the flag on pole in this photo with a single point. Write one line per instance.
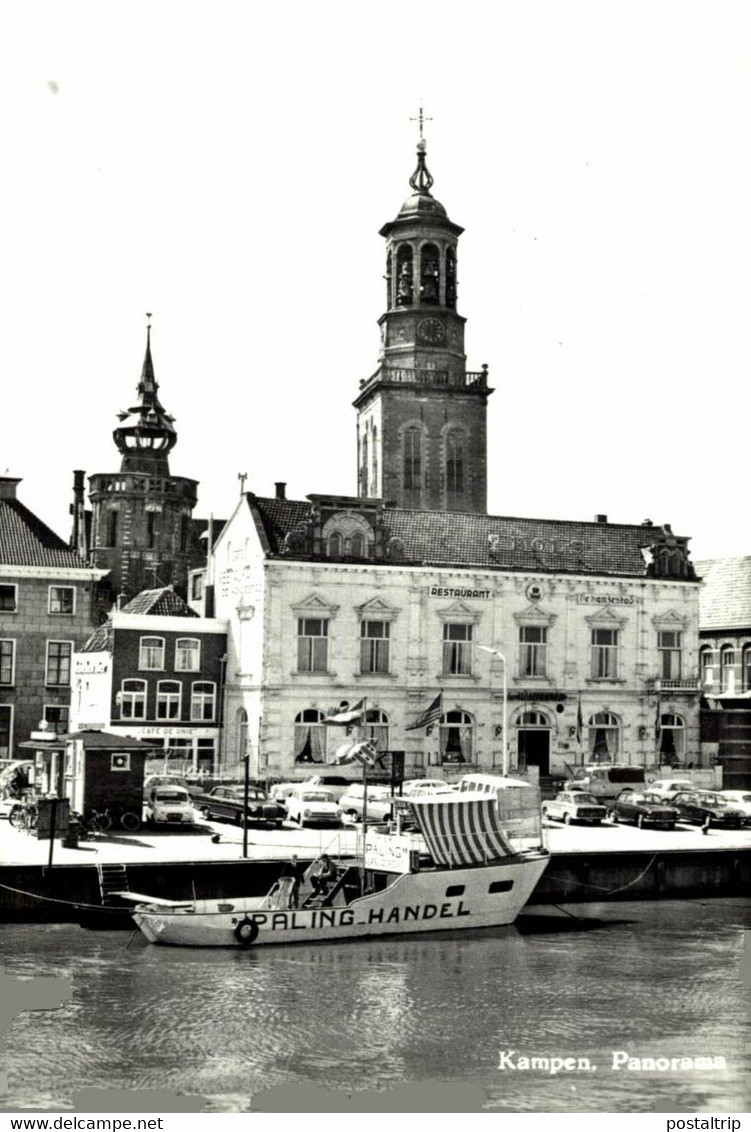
(432, 715)
(658, 721)
(350, 715)
(363, 752)
(579, 722)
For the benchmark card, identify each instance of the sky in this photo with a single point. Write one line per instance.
(227, 166)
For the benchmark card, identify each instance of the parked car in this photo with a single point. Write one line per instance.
(312, 805)
(643, 809)
(337, 784)
(707, 808)
(380, 802)
(228, 802)
(667, 787)
(739, 800)
(163, 780)
(420, 787)
(574, 805)
(172, 804)
(606, 780)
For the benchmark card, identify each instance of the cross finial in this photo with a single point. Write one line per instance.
(420, 119)
(242, 476)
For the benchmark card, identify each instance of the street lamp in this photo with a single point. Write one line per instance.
(504, 751)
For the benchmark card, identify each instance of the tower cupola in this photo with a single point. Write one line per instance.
(146, 433)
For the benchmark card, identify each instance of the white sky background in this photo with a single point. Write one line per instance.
(228, 165)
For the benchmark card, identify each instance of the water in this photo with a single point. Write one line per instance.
(658, 980)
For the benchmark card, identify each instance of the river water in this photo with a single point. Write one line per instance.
(387, 1025)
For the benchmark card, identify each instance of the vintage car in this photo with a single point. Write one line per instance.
(313, 805)
(425, 787)
(336, 784)
(169, 804)
(228, 803)
(739, 800)
(643, 809)
(574, 805)
(667, 787)
(380, 802)
(707, 808)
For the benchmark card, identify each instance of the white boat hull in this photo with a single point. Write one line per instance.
(431, 901)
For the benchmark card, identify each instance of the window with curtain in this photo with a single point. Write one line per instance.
(727, 669)
(457, 737)
(605, 654)
(377, 728)
(706, 663)
(312, 644)
(203, 701)
(133, 699)
(533, 644)
(669, 648)
(151, 653)
(604, 737)
(457, 649)
(187, 654)
(672, 739)
(374, 646)
(310, 738)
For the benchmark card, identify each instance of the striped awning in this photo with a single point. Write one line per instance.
(461, 831)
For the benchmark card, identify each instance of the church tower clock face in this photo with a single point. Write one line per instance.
(429, 451)
(431, 330)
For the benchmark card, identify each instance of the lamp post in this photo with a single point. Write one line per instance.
(504, 749)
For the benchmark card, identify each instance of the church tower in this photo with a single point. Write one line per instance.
(421, 417)
(141, 516)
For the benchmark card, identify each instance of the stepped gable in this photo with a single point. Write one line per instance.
(163, 602)
(437, 538)
(725, 596)
(26, 541)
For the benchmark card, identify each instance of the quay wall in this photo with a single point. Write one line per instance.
(71, 893)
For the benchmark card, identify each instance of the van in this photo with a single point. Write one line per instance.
(169, 804)
(607, 780)
(519, 804)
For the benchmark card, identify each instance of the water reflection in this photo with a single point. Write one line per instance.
(375, 1014)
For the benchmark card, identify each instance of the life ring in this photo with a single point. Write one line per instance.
(246, 931)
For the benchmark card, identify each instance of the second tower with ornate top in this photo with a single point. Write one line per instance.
(421, 417)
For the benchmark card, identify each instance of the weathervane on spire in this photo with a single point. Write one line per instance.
(421, 180)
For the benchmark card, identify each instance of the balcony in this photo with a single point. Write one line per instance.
(684, 684)
(444, 378)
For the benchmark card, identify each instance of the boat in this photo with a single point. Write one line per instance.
(443, 864)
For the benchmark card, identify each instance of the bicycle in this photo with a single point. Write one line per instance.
(96, 821)
(24, 816)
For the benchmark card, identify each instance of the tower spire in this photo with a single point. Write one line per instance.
(421, 180)
(146, 433)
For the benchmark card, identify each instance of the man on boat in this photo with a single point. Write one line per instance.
(322, 873)
(296, 872)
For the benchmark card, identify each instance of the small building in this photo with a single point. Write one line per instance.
(50, 600)
(725, 665)
(155, 671)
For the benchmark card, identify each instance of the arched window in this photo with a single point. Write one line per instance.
(455, 466)
(727, 669)
(451, 278)
(374, 462)
(672, 739)
(334, 547)
(706, 664)
(168, 696)
(132, 699)
(404, 280)
(533, 719)
(430, 275)
(187, 654)
(412, 466)
(377, 728)
(241, 720)
(747, 669)
(457, 737)
(357, 546)
(310, 736)
(604, 737)
(388, 282)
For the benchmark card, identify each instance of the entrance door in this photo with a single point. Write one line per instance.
(534, 749)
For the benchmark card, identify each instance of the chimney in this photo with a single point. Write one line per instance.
(78, 510)
(8, 485)
(601, 518)
(281, 490)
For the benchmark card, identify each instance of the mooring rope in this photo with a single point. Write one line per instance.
(58, 900)
(601, 888)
